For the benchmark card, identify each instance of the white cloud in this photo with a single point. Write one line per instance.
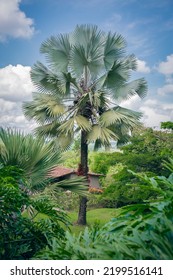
(142, 67)
(165, 90)
(16, 87)
(153, 118)
(154, 111)
(14, 22)
(6, 105)
(15, 83)
(166, 67)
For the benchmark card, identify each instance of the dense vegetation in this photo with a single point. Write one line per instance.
(33, 226)
(144, 154)
(21, 237)
(143, 231)
(77, 96)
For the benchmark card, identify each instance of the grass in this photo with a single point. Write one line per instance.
(95, 216)
(98, 217)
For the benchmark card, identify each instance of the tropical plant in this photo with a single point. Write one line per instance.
(36, 158)
(87, 75)
(21, 236)
(140, 232)
(33, 155)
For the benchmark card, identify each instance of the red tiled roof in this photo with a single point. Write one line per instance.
(61, 171)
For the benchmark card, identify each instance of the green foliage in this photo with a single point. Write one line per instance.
(70, 159)
(37, 158)
(33, 155)
(149, 141)
(21, 237)
(140, 232)
(67, 200)
(145, 153)
(167, 125)
(101, 161)
(124, 188)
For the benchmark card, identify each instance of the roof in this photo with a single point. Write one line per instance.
(60, 171)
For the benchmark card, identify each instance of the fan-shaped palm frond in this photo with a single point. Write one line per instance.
(120, 115)
(50, 129)
(36, 158)
(114, 49)
(136, 87)
(44, 107)
(31, 154)
(77, 185)
(44, 79)
(103, 134)
(57, 51)
(117, 76)
(81, 122)
(63, 141)
(84, 54)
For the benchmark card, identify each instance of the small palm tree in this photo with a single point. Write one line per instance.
(87, 76)
(36, 158)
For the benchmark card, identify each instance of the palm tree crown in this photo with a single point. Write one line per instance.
(87, 74)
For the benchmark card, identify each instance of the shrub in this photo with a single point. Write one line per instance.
(124, 188)
(21, 237)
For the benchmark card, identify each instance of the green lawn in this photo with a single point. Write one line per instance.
(98, 216)
(95, 216)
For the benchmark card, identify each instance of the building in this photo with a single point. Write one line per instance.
(61, 173)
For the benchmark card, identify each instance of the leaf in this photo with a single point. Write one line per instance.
(33, 155)
(68, 126)
(77, 185)
(126, 91)
(116, 76)
(113, 49)
(43, 107)
(84, 54)
(44, 79)
(119, 115)
(48, 129)
(101, 133)
(83, 123)
(57, 50)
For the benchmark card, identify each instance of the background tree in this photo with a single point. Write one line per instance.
(145, 152)
(87, 76)
(167, 125)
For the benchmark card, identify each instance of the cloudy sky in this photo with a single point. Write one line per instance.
(146, 25)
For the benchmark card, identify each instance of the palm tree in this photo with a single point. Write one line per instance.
(87, 76)
(36, 158)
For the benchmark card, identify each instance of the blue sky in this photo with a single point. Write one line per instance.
(146, 25)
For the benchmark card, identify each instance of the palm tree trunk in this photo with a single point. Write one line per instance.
(83, 170)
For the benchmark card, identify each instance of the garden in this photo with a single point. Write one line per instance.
(76, 108)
